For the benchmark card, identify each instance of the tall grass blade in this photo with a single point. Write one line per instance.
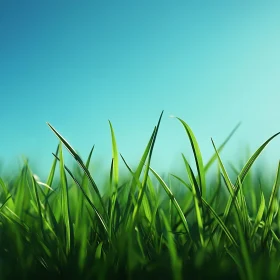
(80, 162)
(145, 177)
(198, 158)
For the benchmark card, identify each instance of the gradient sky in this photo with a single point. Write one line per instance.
(77, 64)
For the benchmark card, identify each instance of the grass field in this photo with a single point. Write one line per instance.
(141, 225)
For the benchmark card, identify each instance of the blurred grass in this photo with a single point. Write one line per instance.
(175, 226)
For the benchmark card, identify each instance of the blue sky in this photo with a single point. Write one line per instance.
(77, 64)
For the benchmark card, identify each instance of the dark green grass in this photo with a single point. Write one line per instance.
(141, 225)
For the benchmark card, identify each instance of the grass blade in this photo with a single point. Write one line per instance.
(115, 159)
(174, 201)
(252, 159)
(80, 162)
(198, 158)
(65, 207)
(272, 205)
(214, 156)
(197, 201)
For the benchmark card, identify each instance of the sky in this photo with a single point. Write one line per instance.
(78, 64)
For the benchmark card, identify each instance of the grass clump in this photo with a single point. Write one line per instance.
(140, 226)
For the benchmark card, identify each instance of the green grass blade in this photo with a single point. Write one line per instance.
(146, 171)
(38, 205)
(101, 219)
(52, 171)
(259, 215)
(198, 158)
(214, 156)
(229, 185)
(114, 177)
(115, 157)
(197, 201)
(136, 179)
(252, 159)
(182, 181)
(272, 205)
(220, 222)
(173, 200)
(87, 167)
(80, 162)
(5, 202)
(65, 207)
(176, 262)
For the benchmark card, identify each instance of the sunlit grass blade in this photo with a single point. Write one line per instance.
(198, 158)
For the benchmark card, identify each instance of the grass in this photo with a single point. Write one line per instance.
(143, 225)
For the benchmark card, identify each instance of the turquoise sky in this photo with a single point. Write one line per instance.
(77, 64)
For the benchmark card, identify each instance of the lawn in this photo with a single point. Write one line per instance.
(142, 224)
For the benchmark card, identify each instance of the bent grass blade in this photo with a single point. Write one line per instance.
(251, 160)
(80, 162)
(198, 158)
